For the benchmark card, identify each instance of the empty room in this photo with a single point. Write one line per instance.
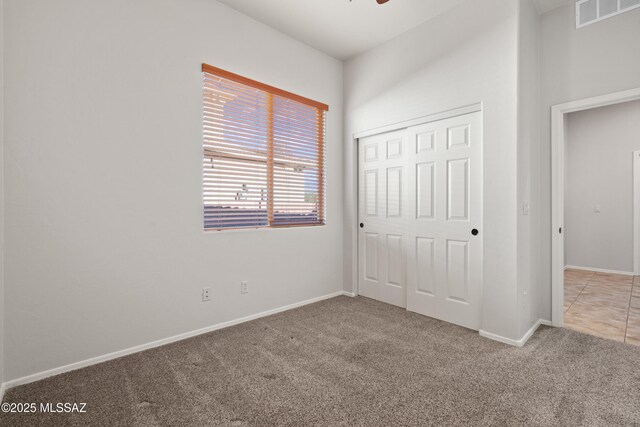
(602, 222)
(319, 212)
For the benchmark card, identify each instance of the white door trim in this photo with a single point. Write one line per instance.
(636, 213)
(558, 113)
(420, 120)
(355, 202)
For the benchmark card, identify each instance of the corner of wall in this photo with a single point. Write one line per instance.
(528, 176)
(1, 199)
(347, 281)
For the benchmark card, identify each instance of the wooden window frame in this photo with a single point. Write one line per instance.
(321, 109)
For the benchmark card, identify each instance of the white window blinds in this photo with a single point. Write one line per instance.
(263, 155)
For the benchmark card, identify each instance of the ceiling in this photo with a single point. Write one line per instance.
(344, 28)
(545, 6)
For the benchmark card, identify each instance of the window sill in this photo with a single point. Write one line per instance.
(261, 229)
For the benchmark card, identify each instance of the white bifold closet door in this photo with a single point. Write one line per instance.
(444, 235)
(382, 178)
(420, 244)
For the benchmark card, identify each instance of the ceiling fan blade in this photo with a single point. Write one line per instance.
(382, 1)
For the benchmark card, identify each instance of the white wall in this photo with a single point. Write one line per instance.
(466, 56)
(599, 171)
(597, 59)
(2, 310)
(528, 163)
(105, 246)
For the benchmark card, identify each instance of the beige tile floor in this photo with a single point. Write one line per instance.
(603, 304)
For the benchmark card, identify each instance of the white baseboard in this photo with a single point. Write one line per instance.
(2, 389)
(519, 342)
(99, 359)
(599, 270)
(349, 294)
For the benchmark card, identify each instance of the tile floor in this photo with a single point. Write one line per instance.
(603, 304)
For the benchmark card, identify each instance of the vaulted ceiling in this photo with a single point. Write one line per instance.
(345, 28)
(342, 28)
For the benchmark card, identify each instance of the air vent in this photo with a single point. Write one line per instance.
(592, 11)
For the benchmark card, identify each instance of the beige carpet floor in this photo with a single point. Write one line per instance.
(351, 362)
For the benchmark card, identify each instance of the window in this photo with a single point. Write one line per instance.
(592, 11)
(263, 155)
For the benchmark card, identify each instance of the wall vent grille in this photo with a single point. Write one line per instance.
(591, 11)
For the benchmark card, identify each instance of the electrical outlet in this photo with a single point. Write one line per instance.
(524, 299)
(206, 294)
(525, 208)
(244, 287)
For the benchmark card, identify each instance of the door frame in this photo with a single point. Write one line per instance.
(636, 213)
(354, 203)
(558, 133)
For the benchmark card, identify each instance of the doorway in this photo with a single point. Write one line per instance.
(593, 253)
(420, 213)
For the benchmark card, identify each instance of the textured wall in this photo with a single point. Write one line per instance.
(105, 246)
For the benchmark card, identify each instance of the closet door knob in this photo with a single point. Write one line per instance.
(361, 225)
(475, 231)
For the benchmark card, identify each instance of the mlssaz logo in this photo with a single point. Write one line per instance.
(66, 408)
